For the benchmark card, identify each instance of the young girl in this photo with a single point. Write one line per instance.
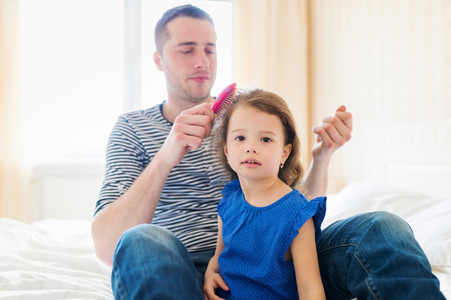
(267, 230)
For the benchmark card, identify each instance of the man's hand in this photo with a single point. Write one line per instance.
(332, 133)
(188, 132)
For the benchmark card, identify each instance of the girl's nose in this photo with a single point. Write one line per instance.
(251, 150)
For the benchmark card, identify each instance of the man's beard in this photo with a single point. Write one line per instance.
(196, 99)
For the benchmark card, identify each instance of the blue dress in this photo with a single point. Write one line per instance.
(256, 240)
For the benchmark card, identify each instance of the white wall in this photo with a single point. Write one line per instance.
(66, 191)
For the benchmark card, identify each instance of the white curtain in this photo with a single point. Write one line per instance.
(270, 50)
(388, 61)
(13, 182)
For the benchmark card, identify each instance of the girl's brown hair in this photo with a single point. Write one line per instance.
(270, 103)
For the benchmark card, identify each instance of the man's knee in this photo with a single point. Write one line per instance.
(147, 234)
(388, 223)
(375, 225)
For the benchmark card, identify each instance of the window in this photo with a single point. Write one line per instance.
(70, 77)
(72, 71)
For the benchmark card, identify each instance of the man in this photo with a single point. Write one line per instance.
(155, 220)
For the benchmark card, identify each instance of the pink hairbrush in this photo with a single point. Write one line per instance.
(223, 101)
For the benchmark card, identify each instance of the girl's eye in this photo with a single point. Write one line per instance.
(266, 140)
(240, 138)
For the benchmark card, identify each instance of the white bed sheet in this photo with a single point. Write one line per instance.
(50, 259)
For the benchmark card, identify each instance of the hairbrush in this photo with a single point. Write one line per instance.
(223, 101)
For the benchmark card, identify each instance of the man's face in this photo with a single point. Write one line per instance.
(189, 59)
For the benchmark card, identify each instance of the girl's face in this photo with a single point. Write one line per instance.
(255, 145)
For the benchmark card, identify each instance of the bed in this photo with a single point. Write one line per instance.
(55, 259)
(50, 259)
(410, 176)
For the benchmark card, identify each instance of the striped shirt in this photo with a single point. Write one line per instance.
(187, 204)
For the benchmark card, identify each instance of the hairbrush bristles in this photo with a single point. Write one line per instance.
(223, 101)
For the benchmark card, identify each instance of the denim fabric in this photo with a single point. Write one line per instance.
(368, 256)
(374, 256)
(151, 263)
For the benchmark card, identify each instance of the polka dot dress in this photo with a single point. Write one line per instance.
(256, 239)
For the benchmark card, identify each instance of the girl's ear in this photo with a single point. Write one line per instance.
(286, 152)
(224, 146)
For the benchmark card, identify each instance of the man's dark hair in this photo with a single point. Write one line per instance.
(188, 10)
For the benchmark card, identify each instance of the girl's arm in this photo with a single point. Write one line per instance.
(305, 260)
(212, 279)
(331, 134)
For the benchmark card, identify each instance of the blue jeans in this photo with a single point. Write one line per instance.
(368, 256)
(152, 263)
(374, 256)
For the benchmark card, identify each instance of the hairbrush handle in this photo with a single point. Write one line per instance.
(226, 93)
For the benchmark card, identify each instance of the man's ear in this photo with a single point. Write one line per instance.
(158, 59)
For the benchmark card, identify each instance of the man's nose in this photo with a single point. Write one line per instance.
(202, 61)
